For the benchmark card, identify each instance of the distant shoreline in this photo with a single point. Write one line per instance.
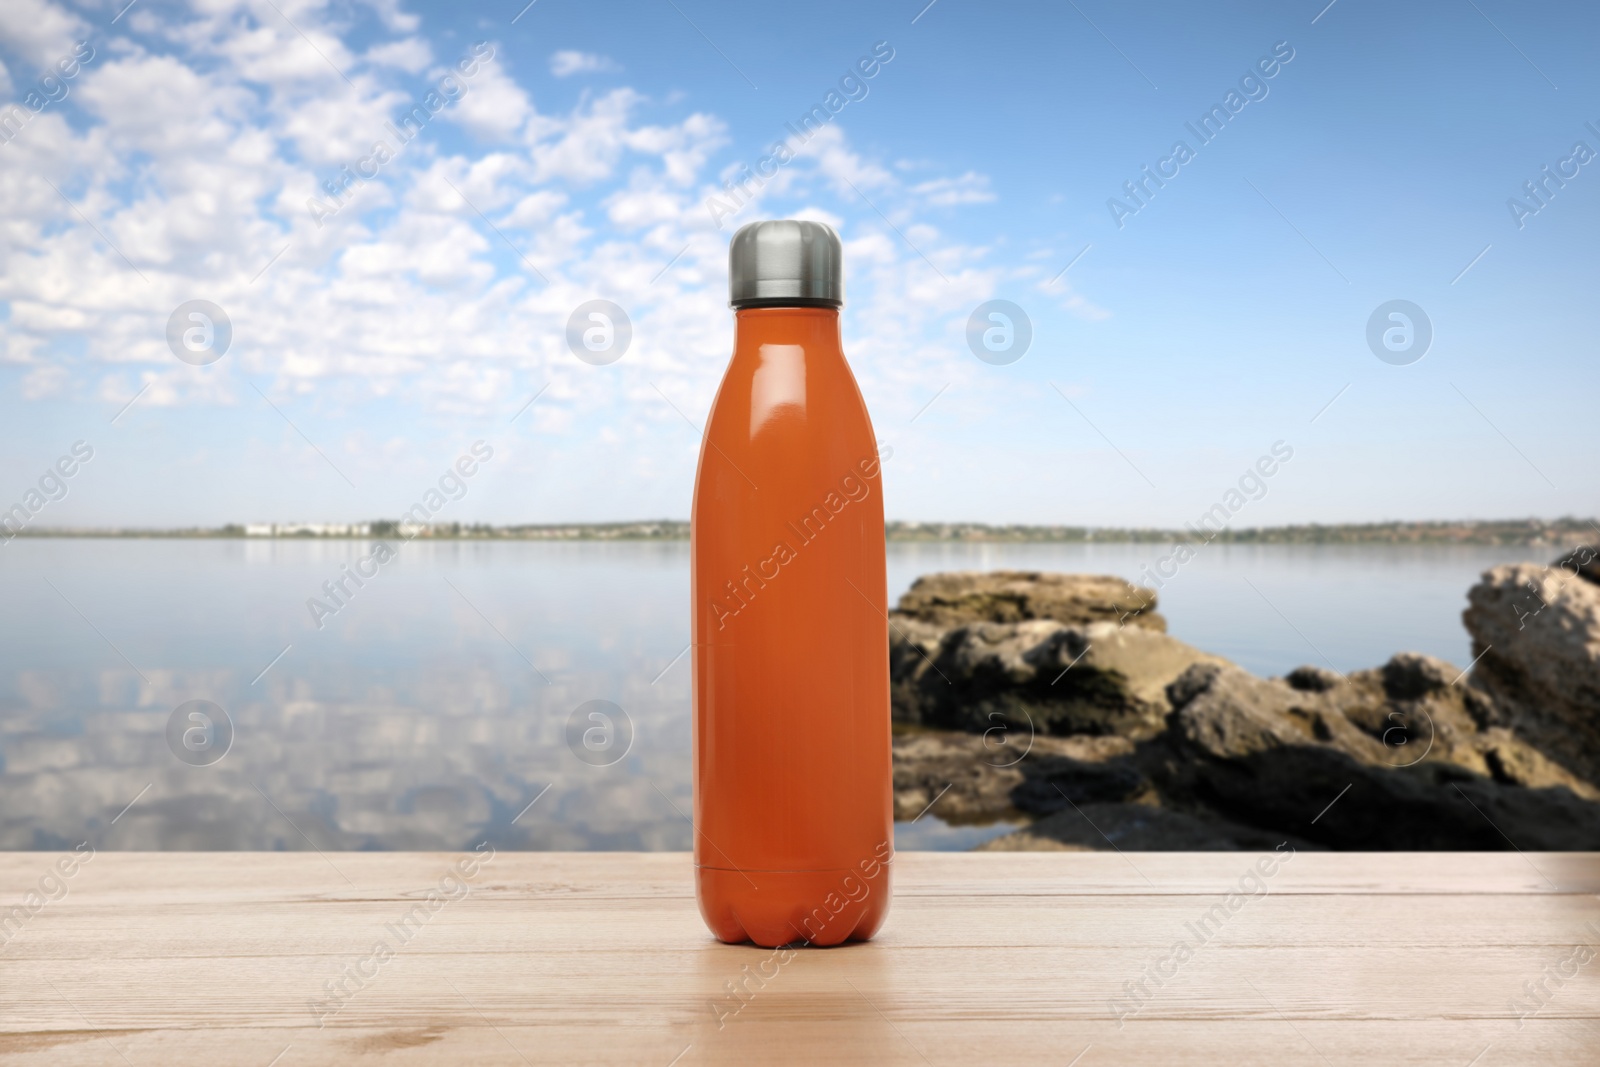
(1564, 532)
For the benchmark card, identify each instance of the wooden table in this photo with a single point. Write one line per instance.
(588, 958)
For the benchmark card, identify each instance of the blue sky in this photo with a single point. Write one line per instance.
(1221, 318)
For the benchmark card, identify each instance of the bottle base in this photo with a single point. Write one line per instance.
(773, 908)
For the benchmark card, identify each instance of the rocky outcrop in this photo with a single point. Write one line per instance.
(1103, 732)
(1019, 596)
(979, 778)
(1536, 633)
(1391, 759)
(1056, 654)
(1583, 562)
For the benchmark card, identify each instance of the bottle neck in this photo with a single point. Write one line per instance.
(808, 326)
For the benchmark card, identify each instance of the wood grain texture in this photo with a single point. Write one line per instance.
(600, 958)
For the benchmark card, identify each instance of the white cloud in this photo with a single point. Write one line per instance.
(535, 209)
(410, 54)
(644, 204)
(811, 213)
(394, 19)
(198, 157)
(494, 107)
(168, 387)
(684, 148)
(289, 50)
(1076, 303)
(18, 347)
(566, 63)
(40, 29)
(45, 381)
(844, 167)
(970, 188)
(586, 147)
(159, 105)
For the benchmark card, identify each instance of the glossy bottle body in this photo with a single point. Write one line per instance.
(793, 803)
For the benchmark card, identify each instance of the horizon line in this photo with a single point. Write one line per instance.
(1525, 530)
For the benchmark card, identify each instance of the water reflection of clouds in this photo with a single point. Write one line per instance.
(412, 721)
(453, 764)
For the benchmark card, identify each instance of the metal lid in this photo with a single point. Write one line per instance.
(785, 263)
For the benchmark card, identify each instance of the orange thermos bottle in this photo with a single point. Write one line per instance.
(793, 804)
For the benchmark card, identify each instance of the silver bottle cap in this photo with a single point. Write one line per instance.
(785, 263)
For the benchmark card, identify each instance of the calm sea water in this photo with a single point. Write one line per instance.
(451, 690)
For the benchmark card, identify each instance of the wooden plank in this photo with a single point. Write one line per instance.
(172, 958)
(303, 875)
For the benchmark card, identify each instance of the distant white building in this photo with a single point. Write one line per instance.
(307, 529)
